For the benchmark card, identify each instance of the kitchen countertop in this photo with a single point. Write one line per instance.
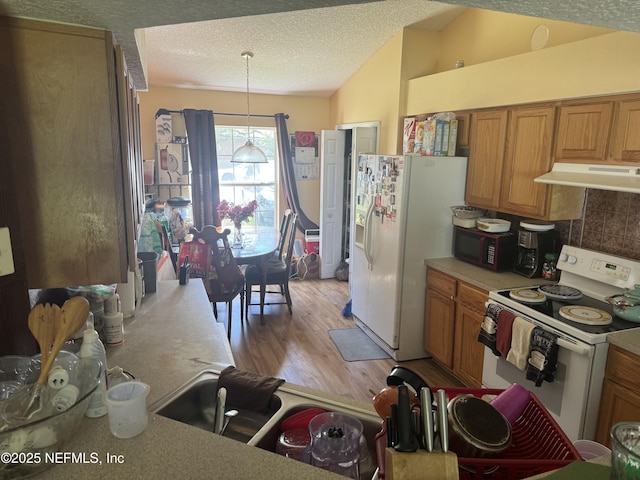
(481, 277)
(172, 338)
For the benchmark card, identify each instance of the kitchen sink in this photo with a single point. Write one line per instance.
(194, 404)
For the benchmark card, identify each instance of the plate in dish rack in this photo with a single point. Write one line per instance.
(527, 295)
(585, 315)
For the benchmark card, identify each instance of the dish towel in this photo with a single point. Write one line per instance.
(489, 327)
(520, 342)
(248, 390)
(543, 356)
(503, 335)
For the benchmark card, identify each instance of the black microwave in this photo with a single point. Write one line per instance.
(494, 251)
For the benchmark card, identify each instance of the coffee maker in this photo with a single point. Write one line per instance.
(532, 246)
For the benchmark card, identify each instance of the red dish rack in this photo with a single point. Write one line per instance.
(538, 444)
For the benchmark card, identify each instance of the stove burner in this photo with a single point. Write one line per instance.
(585, 315)
(527, 295)
(560, 292)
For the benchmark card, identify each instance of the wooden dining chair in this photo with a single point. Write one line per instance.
(225, 281)
(278, 270)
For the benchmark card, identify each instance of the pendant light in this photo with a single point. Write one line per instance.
(248, 153)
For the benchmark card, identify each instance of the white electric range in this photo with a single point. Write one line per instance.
(577, 312)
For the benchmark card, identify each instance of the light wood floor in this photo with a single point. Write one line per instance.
(298, 349)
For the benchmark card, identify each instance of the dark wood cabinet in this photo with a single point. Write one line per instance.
(79, 193)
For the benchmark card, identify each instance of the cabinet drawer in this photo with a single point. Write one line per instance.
(472, 297)
(623, 365)
(441, 282)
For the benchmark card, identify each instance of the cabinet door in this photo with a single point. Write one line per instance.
(528, 156)
(583, 131)
(617, 404)
(130, 153)
(625, 137)
(468, 352)
(464, 130)
(486, 158)
(438, 327)
(70, 191)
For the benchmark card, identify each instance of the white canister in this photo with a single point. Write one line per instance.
(113, 329)
(127, 292)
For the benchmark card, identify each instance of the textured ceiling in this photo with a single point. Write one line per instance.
(306, 47)
(296, 53)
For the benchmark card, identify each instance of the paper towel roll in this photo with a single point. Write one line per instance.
(127, 292)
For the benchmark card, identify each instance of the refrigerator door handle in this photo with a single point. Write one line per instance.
(367, 235)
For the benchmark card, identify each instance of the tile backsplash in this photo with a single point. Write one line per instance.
(610, 223)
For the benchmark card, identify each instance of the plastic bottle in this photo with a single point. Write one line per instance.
(92, 347)
(118, 375)
(549, 269)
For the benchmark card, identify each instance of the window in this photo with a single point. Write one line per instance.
(241, 183)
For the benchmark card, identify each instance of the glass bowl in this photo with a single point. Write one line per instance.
(29, 447)
(625, 451)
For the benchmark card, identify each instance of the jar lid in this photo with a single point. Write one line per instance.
(179, 201)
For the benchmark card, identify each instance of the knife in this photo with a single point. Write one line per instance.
(443, 424)
(426, 404)
(406, 439)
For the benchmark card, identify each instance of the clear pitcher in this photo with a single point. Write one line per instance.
(335, 443)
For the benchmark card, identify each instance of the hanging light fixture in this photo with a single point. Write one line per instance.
(248, 153)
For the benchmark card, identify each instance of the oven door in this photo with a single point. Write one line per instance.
(573, 397)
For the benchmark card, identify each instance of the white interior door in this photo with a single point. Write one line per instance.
(364, 140)
(331, 200)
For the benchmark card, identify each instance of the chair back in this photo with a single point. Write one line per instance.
(224, 269)
(291, 239)
(284, 229)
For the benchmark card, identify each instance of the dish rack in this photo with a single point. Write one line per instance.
(539, 445)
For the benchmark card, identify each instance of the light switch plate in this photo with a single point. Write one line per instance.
(6, 255)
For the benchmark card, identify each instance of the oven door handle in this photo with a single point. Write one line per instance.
(577, 347)
(583, 350)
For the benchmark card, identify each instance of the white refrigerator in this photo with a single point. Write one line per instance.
(401, 216)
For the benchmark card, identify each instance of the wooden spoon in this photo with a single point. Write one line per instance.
(69, 320)
(42, 320)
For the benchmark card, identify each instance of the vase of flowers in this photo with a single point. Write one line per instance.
(237, 214)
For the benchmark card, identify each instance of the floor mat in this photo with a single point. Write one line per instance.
(354, 345)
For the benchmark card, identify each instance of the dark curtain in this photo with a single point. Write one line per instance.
(287, 174)
(204, 164)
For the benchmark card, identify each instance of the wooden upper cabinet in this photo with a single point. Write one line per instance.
(486, 157)
(625, 134)
(583, 132)
(528, 156)
(464, 123)
(71, 191)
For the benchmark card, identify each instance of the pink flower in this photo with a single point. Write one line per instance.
(236, 213)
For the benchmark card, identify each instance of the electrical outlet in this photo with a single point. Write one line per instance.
(6, 255)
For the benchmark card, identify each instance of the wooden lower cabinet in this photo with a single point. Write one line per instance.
(620, 392)
(454, 311)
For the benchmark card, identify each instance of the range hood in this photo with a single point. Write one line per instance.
(602, 177)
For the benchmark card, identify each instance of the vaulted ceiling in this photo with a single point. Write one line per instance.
(301, 47)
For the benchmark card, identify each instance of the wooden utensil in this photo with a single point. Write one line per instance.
(42, 320)
(70, 318)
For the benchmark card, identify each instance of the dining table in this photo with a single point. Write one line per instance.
(258, 245)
